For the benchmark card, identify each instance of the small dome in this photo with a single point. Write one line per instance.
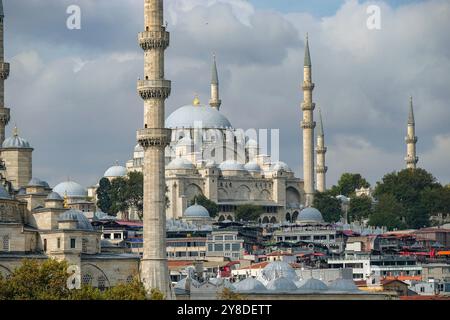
(71, 188)
(15, 142)
(115, 172)
(231, 165)
(35, 182)
(138, 148)
(249, 285)
(100, 215)
(54, 196)
(252, 167)
(182, 283)
(313, 285)
(276, 270)
(180, 164)
(4, 194)
(343, 285)
(187, 116)
(281, 284)
(76, 215)
(196, 211)
(280, 166)
(310, 214)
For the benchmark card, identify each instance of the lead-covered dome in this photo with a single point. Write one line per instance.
(54, 196)
(180, 164)
(115, 172)
(277, 269)
(15, 142)
(71, 189)
(281, 284)
(231, 165)
(187, 116)
(310, 215)
(252, 167)
(36, 182)
(280, 166)
(313, 284)
(249, 285)
(196, 211)
(76, 215)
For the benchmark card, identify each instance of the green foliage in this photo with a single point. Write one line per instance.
(104, 199)
(360, 208)
(248, 212)
(328, 205)
(211, 206)
(227, 294)
(48, 281)
(156, 294)
(119, 195)
(417, 192)
(388, 212)
(348, 183)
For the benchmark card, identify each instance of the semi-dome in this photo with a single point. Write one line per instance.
(280, 166)
(281, 284)
(343, 285)
(4, 194)
(54, 196)
(249, 285)
(187, 116)
(231, 165)
(71, 188)
(16, 142)
(36, 182)
(310, 214)
(313, 284)
(180, 164)
(115, 172)
(277, 269)
(76, 215)
(252, 167)
(196, 211)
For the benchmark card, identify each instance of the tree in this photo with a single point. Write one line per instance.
(227, 294)
(211, 206)
(248, 212)
(135, 192)
(348, 183)
(103, 196)
(328, 205)
(388, 212)
(119, 195)
(360, 208)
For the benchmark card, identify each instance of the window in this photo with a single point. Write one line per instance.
(84, 245)
(229, 238)
(218, 247)
(101, 282)
(86, 279)
(227, 247)
(73, 243)
(236, 247)
(6, 243)
(58, 243)
(210, 247)
(117, 236)
(220, 238)
(422, 289)
(45, 245)
(107, 236)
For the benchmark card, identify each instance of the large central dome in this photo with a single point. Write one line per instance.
(186, 116)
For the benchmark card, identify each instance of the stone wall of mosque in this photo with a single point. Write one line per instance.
(18, 164)
(108, 271)
(12, 211)
(13, 238)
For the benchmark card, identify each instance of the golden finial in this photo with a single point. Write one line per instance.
(66, 198)
(196, 101)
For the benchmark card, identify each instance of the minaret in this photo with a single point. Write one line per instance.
(4, 73)
(154, 138)
(411, 139)
(321, 168)
(308, 126)
(215, 101)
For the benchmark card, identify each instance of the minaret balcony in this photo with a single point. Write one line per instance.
(215, 103)
(411, 160)
(320, 169)
(306, 106)
(308, 124)
(4, 70)
(321, 150)
(411, 139)
(154, 39)
(154, 137)
(4, 116)
(308, 86)
(150, 89)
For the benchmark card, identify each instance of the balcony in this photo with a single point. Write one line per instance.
(149, 89)
(154, 39)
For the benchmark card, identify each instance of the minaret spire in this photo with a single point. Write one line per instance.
(4, 74)
(154, 138)
(411, 139)
(308, 126)
(321, 168)
(215, 101)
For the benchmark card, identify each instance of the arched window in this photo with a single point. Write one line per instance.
(101, 282)
(5, 244)
(86, 279)
(288, 217)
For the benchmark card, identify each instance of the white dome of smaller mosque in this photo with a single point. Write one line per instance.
(275, 270)
(310, 215)
(252, 166)
(280, 166)
(15, 142)
(115, 171)
(249, 285)
(71, 189)
(196, 211)
(281, 284)
(231, 165)
(180, 163)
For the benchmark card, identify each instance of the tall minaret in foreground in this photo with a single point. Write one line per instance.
(411, 139)
(154, 138)
(321, 168)
(308, 126)
(215, 101)
(4, 73)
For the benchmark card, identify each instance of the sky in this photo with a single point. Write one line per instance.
(72, 93)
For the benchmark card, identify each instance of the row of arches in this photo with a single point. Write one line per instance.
(291, 217)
